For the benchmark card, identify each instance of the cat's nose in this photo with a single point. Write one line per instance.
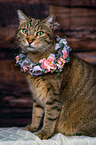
(30, 40)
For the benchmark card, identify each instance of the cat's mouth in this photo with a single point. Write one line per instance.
(33, 49)
(30, 48)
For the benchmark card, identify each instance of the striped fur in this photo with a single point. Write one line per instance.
(67, 101)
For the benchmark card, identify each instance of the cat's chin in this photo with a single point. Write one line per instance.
(30, 48)
(33, 49)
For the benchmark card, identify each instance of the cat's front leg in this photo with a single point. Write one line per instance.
(36, 118)
(52, 112)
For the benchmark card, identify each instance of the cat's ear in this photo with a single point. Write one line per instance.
(51, 22)
(21, 16)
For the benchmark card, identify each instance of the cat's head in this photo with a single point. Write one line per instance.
(35, 35)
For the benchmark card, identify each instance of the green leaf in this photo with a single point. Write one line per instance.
(61, 45)
(67, 59)
(70, 48)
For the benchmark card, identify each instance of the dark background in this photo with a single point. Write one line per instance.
(78, 24)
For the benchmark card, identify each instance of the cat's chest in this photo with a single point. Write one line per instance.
(39, 90)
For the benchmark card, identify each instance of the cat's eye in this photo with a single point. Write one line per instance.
(25, 31)
(40, 33)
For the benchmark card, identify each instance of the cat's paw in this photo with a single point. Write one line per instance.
(30, 128)
(42, 134)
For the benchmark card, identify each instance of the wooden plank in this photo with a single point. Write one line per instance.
(16, 1)
(20, 122)
(49, 2)
(10, 73)
(88, 56)
(82, 44)
(79, 39)
(88, 33)
(9, 53)
(8, 36)
(67, 16)
(74, 17)
(22, 101)
(8, 11)
(87, 3)
(78, 25)
(15, 95)
(15, 112)
(14, 89)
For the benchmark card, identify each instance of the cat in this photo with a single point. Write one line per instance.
(67, 102)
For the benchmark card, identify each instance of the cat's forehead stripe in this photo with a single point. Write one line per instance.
(38, 22)
(34, 22)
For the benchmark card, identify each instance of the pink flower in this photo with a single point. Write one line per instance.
(17, 57)
(64, 54)
(61, 62)
(48, 63)
(42, 61)
(25, 68)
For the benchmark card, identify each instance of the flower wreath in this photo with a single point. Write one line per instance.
(54, 62)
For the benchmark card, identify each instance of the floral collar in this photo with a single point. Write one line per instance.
(54, 62)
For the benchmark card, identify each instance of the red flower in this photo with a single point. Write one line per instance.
(64, 54)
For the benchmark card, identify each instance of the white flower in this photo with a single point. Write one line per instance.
(52, 55)
(22, 55)
(57, 46)
(37, 70)
(63, 41)
(64, 49)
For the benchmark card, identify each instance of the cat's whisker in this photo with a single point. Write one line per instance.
(12, 49)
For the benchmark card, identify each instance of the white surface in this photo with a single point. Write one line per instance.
(18, 136)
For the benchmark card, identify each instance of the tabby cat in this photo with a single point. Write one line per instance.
(67, 102)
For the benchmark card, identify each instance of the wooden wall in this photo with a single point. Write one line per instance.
(77, 22)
